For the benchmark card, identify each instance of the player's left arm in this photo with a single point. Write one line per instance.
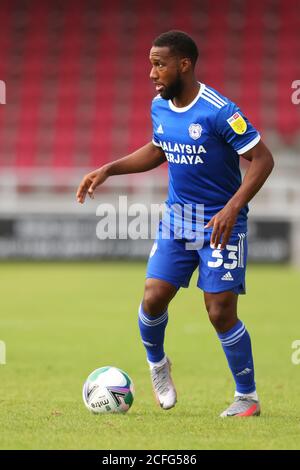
(261, 165)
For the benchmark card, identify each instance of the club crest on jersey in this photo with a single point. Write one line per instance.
(195, 131)
(237, 123)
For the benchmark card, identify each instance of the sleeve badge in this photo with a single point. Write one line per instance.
(237, 123)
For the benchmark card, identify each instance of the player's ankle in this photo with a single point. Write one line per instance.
(157, 364)
(252, 395)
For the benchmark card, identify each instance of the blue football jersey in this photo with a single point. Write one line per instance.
(202, 143)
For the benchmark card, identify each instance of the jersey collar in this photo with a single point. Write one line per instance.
(189, 106)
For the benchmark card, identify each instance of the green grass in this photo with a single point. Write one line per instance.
(61, 321)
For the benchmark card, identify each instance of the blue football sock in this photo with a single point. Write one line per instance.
(152, 329)
(236, 344)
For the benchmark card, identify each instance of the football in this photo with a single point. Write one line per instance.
(108, 390)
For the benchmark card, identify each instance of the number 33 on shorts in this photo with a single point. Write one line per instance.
(233, 253)
(225, 270)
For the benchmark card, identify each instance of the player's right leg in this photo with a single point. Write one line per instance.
(170, 267)
(153, 319)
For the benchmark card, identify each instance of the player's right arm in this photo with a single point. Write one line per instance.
(145, 158)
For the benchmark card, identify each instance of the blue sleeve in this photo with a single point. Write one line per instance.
(155, 126)
(235, 128)
(155, 139)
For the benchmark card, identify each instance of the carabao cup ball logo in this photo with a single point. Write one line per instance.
(195, 131)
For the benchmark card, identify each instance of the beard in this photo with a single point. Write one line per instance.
(173, 90)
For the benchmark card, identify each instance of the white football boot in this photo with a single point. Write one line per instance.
(163, 385)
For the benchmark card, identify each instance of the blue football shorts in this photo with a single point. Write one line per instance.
(219, 270)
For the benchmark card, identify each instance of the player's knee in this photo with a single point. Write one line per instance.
(157, 296)
(222, 314)
(218, 320)
(155, 301)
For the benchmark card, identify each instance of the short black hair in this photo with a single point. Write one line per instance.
(180, 43)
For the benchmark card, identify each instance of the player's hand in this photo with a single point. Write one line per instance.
(222, 223)
(89, 183)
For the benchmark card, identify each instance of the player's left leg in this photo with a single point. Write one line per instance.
(236, 343)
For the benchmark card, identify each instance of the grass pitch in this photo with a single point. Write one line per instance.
(61, 321)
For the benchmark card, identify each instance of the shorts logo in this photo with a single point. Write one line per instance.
(237, 123)
(227, 277)
(195, 131)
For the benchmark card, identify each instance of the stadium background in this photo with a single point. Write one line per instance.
(78, 95)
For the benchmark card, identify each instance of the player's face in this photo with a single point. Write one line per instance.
(165, 72)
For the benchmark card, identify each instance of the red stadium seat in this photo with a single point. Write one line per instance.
(79, 78)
